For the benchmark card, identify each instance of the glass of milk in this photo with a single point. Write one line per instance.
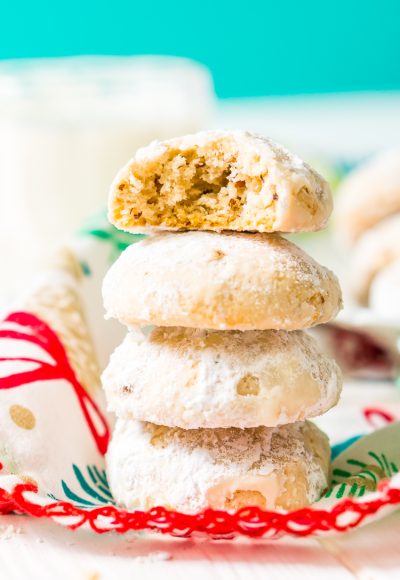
(66, 126)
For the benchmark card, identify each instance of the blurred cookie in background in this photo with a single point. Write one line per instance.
(368, 195)
(374, 250)
(385, 291)
(367, 219)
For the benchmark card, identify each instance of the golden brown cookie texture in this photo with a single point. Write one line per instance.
(192, 378)
(189, 470)
(219, 180)
(220, 281)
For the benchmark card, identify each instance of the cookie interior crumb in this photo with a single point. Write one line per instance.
(244, 498)
(202, 186)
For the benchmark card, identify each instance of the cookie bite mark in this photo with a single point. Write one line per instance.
(219, 180)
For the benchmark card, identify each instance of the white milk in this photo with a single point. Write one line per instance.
(66, 127)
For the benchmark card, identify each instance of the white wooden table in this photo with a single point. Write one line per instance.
(48, 552)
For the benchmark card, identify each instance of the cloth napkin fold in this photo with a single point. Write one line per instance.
(54, 428)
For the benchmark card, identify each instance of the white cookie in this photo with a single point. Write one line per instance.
(190, 470)
(183, 377)
(220, 281)
(374, 250)
(219, 180)
(385, 292)
(368, 195)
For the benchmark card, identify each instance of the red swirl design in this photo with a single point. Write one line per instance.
(37, 332)
(252, 522)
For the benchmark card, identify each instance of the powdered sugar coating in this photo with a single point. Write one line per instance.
(187, 470)
(193, 378)
(220, 281)
(282, 193)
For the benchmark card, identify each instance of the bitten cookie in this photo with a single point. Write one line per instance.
(190, 378)
(189, 470)
(219, 180)
(368, 195)
(220, 281)
(374, 250)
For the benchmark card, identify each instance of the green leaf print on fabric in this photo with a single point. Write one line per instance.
(361, 466)
(361, 477)
(93, 487)
(99, 227)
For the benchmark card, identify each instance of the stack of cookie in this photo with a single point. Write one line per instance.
(215, 379)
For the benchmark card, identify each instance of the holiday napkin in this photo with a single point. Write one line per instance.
(54, 427)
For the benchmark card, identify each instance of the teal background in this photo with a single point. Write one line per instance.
(253, 48)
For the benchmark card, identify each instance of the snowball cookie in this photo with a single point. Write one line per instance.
(191, 378)
(219, 180)
(385, 292)
(219, 281)
(368, 195)
(190, 470)
(374, 250)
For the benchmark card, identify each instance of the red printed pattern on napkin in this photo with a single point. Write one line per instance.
(37, 332)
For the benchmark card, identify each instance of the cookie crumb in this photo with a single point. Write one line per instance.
(8, 532)
(158, 556)
(218, 255)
